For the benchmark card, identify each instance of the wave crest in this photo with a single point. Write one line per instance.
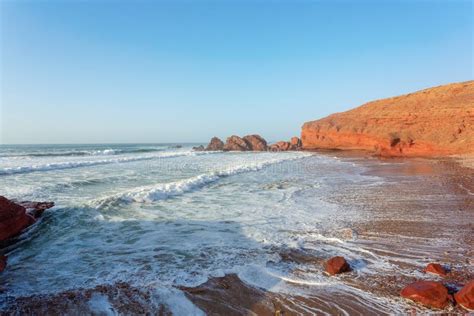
(161, 191)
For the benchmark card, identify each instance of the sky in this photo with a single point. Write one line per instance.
(109, 71)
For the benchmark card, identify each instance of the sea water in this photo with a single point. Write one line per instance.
(163, 215)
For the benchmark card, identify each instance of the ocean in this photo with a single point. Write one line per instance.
(163, 216)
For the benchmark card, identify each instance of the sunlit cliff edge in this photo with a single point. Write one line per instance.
(433, 122)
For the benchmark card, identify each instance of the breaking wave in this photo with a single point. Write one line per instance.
(163, 191)
(77, 164)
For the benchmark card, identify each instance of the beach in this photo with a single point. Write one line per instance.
(171, 230)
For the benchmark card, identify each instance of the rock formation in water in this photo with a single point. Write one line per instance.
(280, 146)
(431, 122)
(13, 218)
(250, 143)
(215, 144)
(199, 148)
(295, 143)
(16, 216)
(236, 143)
(256, 142)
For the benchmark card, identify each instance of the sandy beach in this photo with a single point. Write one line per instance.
(417, 215)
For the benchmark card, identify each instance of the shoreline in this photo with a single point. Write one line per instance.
(447, 172)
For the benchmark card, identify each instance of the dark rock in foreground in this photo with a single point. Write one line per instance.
(428, 293)
(13, 218)
(16, 216)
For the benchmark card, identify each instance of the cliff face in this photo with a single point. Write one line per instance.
(432, 122)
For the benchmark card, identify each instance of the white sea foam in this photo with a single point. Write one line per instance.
(86, 163)
(160, 191)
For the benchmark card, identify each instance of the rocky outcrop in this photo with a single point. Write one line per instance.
(16, 216)
(428, 293)
(236, 143)
(215, 144)
(432, 122)
(465, 297)
(436, 268)
(13, 218)
(295, 143)
(199, 148)
(336, 265)
(250, 143)
(280, 146)
(256, 142)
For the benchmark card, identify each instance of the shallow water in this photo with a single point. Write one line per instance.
(162, 217)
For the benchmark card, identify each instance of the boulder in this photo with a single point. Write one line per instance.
(3, 263)
(199, 148)
(215, 144)
(236, 143)
(16, 216)
(336, 265)
(295, 143)
(428, 293)
(280, 146)
(13, 218)
(256, 142)
(435, 268)
(465, 297)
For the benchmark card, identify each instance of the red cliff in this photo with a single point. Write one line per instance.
(432, 122)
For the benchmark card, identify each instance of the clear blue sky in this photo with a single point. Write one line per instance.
(184, 71)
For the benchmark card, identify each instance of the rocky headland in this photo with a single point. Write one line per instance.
(433, 122)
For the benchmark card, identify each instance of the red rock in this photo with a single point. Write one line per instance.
(336, 265)
(435, 268)
(3, 263)
(432, 122)
(295, 143)
(215, 144)
(465, 297)
(236, 143)
(256, 142)
(14, 217)
(280, 146)
(428, 293)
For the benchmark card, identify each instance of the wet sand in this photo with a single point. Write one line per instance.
(423, 212)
